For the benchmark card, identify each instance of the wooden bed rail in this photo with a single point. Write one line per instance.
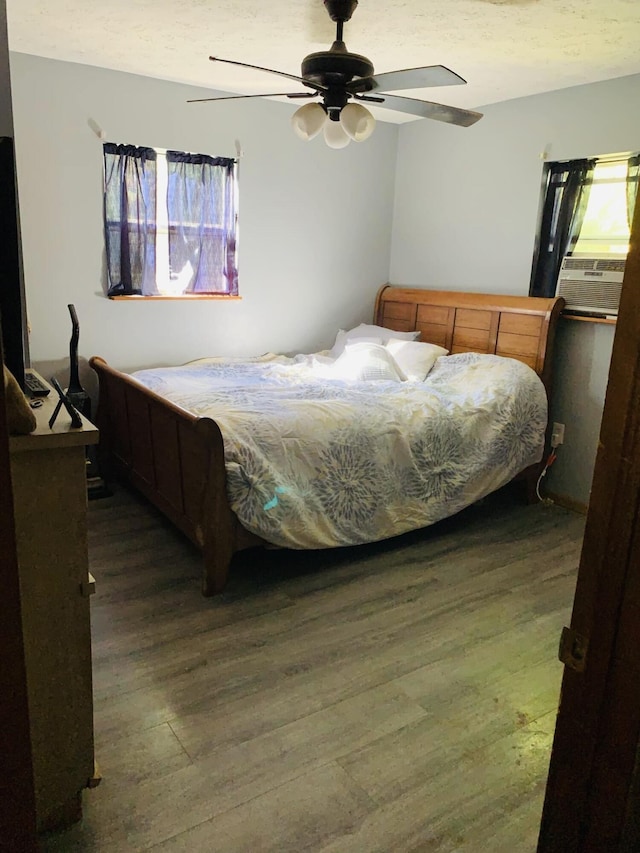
(175, 459)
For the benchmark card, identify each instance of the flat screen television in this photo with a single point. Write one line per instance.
(12, 306)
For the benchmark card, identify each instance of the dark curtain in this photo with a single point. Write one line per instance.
(201, 203)
(633, 176)
(130, 219)
(565, 203)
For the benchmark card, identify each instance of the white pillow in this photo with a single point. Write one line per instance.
(370, 333)
(365, 362)
(415, 359)
(362, 339)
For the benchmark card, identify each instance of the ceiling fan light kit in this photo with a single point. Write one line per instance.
(342, 80)
(353, 121)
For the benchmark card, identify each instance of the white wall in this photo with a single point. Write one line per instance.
(466, 208)
(581, 365)
(315, 224)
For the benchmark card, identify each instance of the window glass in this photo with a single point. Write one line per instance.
(605, 229)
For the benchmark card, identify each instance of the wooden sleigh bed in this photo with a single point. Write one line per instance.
(176, 459)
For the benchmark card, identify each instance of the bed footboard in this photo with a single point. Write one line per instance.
(177, 461)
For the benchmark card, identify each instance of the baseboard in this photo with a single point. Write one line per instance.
(567, 502)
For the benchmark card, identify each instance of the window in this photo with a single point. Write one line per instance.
(170, 223)
(587, 210)
(605, 228)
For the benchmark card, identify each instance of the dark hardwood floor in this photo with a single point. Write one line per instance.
(392, 698)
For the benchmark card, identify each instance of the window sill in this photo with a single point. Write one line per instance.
(189, 297)
(607, 321)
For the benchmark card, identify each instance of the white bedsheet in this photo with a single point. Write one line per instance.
(314, 462)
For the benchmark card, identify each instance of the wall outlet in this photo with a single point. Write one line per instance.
(557, 435)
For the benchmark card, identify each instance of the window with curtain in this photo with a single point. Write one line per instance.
(587, 210)
(171, 224)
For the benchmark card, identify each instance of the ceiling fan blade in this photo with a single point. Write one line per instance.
(310, 83)
(267, 95)
(427, 109)
(409, 78)
(377, 99)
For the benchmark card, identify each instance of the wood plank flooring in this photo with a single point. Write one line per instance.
(393, 698)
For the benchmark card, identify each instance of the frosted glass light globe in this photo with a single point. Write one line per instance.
(308, 121)
(335, 136)
(357, 122)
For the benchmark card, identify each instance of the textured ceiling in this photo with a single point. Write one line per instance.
(503, 48)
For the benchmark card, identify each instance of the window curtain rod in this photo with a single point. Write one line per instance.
(101, 134)
(170, 152)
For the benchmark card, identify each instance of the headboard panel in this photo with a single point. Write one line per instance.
(520, 327)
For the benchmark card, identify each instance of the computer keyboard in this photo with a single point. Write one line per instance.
(34, 386)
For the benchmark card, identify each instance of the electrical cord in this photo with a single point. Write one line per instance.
(550, 460)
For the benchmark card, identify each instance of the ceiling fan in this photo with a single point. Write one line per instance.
(343, 80)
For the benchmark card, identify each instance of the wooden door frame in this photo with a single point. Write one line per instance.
(17, 800)
(592, 775)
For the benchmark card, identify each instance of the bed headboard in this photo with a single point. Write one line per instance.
(520, 327)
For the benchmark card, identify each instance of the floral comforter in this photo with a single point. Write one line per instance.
(315, 463)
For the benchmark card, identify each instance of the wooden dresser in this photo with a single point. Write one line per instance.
(50, 501)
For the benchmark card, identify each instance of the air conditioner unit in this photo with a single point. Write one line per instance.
(591, 284)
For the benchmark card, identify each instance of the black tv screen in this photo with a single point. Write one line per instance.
(12, 319)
